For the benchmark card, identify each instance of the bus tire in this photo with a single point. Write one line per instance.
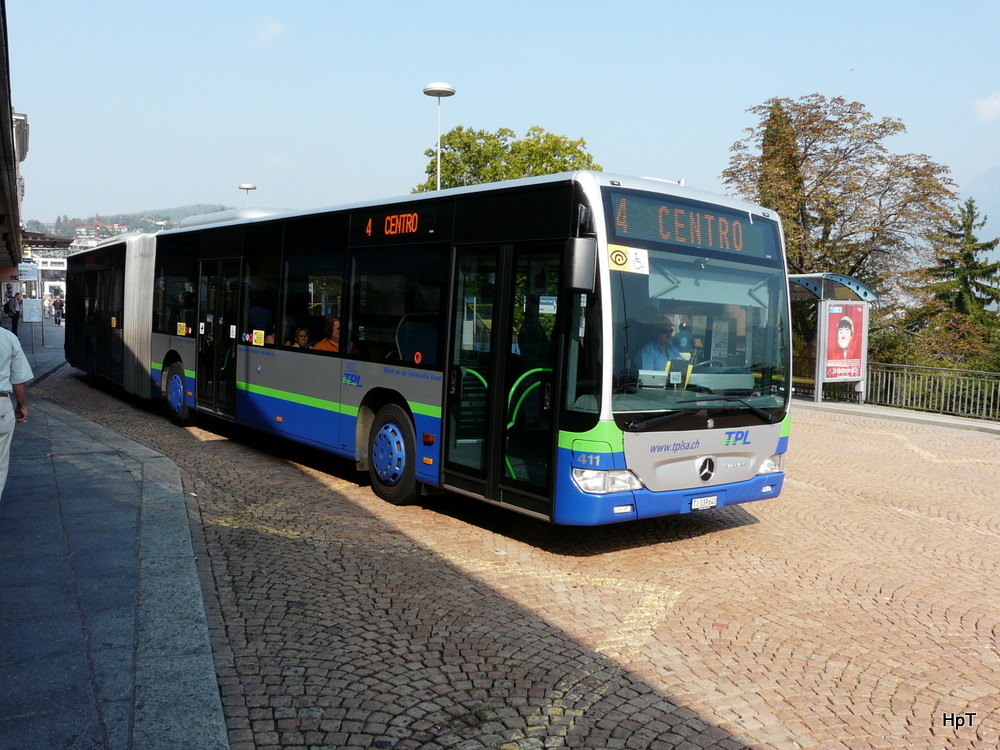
(175, 400)
(392, 456)
(90, 360)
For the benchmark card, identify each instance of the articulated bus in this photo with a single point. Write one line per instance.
(582, 348)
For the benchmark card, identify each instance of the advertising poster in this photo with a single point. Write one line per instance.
(846, 333)
(31, 312)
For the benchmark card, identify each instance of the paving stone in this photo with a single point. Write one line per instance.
(856, 610)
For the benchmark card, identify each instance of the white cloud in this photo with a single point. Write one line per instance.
(270, 29)
(988, 108)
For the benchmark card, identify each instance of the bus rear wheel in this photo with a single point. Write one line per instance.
(175, 394)
(392, 456)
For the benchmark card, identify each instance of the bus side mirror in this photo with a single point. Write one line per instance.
(581, 264)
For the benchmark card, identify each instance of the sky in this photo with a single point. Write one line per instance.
(136, 106)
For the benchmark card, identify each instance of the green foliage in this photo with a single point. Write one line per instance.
(962, 280)
(954, 322)
(946, 339)
(780, 183)
(473, 157)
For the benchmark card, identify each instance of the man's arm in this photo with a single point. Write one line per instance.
(21, 396)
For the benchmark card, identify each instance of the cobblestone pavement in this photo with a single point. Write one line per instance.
(858, 610)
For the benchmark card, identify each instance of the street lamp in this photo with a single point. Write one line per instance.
(439, 90)
(247, 186)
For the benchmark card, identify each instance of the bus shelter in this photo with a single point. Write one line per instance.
(840, 351)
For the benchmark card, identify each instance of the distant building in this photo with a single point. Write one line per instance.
(49, 252)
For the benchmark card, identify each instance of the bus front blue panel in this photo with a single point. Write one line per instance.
(573, 507)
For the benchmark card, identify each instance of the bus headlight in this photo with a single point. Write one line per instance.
(602, 482)
(774, 465)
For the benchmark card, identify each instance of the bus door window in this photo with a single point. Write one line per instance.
(530, 376)
(469, 381)
(217, 341)
(583, 363)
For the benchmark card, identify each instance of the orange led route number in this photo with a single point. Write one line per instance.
(395, 224)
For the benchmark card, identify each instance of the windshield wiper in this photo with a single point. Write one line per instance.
(766, 416)
(639, 425)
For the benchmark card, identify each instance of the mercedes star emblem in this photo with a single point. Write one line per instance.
(706, 469)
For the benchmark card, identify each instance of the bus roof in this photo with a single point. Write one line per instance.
(586, 178)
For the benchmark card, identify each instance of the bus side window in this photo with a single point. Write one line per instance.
(396, 312)
(313, 274)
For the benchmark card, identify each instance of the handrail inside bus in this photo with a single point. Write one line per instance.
(517, 407)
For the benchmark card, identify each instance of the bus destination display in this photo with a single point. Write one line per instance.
(689, 224)
(399, 226)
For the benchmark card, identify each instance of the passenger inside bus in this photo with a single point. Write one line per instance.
(299, 339)
(331, 338)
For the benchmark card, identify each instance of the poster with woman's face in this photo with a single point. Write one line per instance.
(845, 335)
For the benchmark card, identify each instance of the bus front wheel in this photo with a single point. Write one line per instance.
(176, 398)
(392, 455)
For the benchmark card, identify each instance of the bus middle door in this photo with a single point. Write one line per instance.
(500, 387)
(217, 336)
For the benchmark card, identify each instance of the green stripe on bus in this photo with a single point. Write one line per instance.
(159, 366)
(295, 398)
(425, 410)
(605, 432)
(786, 426)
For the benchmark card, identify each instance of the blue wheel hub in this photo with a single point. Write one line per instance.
(175, 393)
(389, 453)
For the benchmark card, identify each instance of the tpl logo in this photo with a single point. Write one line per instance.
(737, 437)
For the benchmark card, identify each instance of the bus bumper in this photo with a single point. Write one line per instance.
(574, 507)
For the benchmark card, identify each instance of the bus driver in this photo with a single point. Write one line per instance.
(657, 353)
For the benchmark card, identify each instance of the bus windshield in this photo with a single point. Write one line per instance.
(697, 329)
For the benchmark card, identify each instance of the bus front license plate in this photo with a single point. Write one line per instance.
(704, 503)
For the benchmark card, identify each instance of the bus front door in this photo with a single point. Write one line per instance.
(500, 389)
(217, 320)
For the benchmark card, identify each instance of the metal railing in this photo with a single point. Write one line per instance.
(963, 393)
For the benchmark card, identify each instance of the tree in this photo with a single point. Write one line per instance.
(962, 280)
(779, 182)
(954, 322)
(848, 204)
(472, 157)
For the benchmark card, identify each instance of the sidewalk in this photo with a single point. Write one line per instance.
(872, 411)
(103, 637)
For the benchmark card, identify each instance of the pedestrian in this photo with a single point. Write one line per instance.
(46, 308)
(14, 308)
(57, 309)
(15, 372)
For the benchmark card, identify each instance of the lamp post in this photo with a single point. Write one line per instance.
(247, 187)
(439, 90)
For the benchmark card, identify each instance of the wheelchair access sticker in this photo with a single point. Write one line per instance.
(628, 259)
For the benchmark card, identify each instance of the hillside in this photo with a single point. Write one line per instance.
(144, 221)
